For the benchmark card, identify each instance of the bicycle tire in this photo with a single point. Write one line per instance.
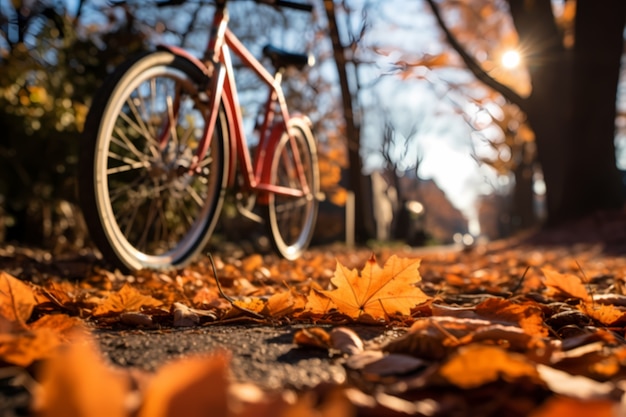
(143, 207)
(292, 220)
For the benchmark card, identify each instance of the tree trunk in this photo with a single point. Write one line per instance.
(353, 131)
(572, 105)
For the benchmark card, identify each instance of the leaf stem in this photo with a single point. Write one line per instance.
(230, 299)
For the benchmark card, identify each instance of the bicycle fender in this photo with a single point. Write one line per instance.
(277, 134)
(186, 55)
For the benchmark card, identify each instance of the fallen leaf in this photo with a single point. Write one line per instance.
(16, 299)
(575, 386)
(375, 364)
(126, 299)
(190, 387)
(312, 337)
(283, 303)
(527, 316)
(318, 303)
(76, 382)
(572, 407)
(24, 347)
(567, 284)
(346, 341)
(606, 314)
(476, 365)
(61, 323)
(377, 292)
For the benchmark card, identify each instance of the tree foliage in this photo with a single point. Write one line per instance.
(573, 62)
(47, 76)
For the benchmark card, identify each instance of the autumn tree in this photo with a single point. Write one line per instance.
(47, 70)
(573, 62)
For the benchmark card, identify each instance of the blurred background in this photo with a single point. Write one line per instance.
(438, 121)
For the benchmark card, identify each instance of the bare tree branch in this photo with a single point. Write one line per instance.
(471, 63)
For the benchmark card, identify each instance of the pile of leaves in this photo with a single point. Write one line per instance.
(489, 331)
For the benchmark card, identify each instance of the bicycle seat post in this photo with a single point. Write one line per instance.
(218, 31)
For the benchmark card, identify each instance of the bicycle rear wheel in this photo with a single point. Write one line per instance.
(144, 206)
(292, 220)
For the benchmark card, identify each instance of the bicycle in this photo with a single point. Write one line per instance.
(164, 139)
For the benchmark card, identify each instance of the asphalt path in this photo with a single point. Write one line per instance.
(261, 354)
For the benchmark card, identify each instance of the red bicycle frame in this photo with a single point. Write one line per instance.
(223, 92)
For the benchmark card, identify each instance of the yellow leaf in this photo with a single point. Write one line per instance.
(477, 365)
(77, 383)
(377, 292)
(191, 387)
(16, 299)
(126, 299)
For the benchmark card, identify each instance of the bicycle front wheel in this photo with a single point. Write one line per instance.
(144, 204)
(291, 219)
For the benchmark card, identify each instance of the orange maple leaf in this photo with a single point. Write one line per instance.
(377, 292)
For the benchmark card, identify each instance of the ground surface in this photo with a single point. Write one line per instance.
(493, 301)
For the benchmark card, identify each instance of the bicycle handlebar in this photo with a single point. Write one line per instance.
(288, 4)
(278, 3)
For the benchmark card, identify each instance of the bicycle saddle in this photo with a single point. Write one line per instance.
(282, 59)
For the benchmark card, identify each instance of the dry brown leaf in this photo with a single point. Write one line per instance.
(312, 337)
(434, 337)
(567, 284)
(27, 346)
(375, 292)
(283, 303)
(375, 364)
(575, 386)
(346, 340)
(191, 387)
(476, 365)
(16, 299)
(206, 297)
(527, 316)
(126, 299)
(606, 314)
(76, 382)
(61, 323)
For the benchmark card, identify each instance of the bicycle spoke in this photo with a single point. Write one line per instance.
(130, 164)
(140, 127)
(125, 143)
(194, 196)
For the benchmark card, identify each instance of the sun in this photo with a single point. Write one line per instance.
(511, 59)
